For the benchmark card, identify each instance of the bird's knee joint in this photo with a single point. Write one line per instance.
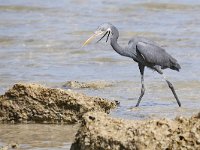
(142, 90)
(170, 86)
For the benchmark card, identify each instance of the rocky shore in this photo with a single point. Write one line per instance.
(100, 131)
(39, 104)
(33, 103)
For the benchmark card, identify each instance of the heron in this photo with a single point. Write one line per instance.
(145, 52)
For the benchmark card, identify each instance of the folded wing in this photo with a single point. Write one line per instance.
(155, 55)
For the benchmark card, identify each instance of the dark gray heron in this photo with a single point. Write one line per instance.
(145, 52)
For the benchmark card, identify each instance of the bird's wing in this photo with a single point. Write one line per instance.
(153, 53)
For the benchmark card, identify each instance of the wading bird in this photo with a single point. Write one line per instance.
(145, 52)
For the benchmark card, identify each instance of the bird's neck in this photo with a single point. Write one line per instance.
(115, 45)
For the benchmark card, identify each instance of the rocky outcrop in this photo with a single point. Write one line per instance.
(99, 131)
(90, 85)
(36, 103)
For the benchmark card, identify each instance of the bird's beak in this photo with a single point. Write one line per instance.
(97, 33)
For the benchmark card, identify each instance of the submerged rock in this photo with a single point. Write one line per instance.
(10, 146)
(35, 103)
(99, 131)
(92, 85)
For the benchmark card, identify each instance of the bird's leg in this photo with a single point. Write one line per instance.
(141, 67)
(173, 91)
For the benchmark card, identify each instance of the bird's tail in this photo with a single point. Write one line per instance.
(174, 65)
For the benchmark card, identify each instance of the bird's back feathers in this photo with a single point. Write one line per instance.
(151, 54)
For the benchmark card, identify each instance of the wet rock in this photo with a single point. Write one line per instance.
(10, 146)
(92, 85)
(35, 103)
(99, 131)
(4, 148)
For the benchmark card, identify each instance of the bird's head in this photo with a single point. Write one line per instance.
(104, 28)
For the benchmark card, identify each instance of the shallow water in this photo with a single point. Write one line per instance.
(41, 42)
(38, 136)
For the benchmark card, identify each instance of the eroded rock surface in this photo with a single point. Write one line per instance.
(99, 131)
(91, 85)
(36, 103)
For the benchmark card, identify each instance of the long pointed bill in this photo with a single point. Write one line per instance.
(92, 37)
(102, 37)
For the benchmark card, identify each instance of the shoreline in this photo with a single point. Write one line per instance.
(34, 103)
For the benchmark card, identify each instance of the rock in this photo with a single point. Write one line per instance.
(14, 146)
(4, 148)
(99, 131)
(91, 85)
(35, 103)
(10, 146)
